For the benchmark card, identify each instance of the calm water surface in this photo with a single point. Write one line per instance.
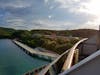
(13, 61)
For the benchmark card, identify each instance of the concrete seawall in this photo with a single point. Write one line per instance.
(28, 50)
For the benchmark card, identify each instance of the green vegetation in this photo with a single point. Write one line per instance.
(58, 45)
(47, 38)
(6, 32)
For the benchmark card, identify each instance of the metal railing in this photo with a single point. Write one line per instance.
(68, 62)
(70, 56)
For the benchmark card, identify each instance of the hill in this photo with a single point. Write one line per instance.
(6, 32)
(48, 39)
(77, 33)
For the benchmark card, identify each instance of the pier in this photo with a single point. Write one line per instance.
(31, 51)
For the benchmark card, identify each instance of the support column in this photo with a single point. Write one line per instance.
(76, 55)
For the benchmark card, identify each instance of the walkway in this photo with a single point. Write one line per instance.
(32, 51)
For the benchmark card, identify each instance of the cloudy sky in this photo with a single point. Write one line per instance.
(50, 14)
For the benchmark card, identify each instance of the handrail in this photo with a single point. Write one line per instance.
(44, 71)
(27, 73)
(69, 59)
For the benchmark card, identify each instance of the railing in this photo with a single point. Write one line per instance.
(45, 70)
(70, 57)
(68, 61)
(35, 71)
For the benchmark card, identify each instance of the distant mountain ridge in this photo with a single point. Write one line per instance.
(6, 32)
(76, 32)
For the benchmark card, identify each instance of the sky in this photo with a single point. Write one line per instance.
(50, 14)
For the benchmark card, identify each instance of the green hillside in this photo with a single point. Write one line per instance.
(53, 40)
(6, 32)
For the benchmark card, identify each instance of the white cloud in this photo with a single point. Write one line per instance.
(17, 23)
(53, 14)
(53, 25)
(88, 7)
(92, 8)
(15, 4)
(51, 7)
(46, 1)
(15, 20)
(50, 16)
(66, 3)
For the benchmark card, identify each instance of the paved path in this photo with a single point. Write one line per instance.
(32, 51)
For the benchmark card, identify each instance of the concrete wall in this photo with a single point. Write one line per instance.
(90, 46)
(90, 68)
